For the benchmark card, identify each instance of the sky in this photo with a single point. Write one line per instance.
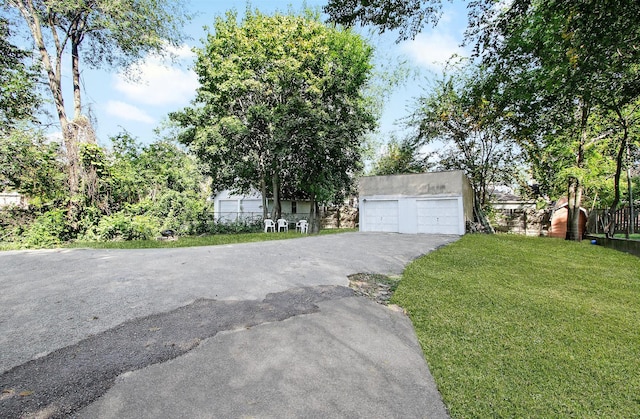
(117, 104)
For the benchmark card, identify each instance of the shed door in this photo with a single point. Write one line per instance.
(381, 216)
(228, 210)
(438, 216)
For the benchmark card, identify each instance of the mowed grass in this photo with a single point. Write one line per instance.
(205, 240)
(528, 327)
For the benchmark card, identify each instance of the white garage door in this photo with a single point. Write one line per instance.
(381, 216)
(438, 216)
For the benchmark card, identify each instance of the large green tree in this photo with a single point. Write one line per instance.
(559, 60)
(459, 114)
(95, 33)
(281, 105)
(555, 62)
(18, 95)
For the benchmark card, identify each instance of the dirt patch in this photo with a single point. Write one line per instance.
(376, 287)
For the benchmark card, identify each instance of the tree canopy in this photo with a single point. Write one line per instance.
(281, 106)
(18, 95)
(406, 16)
(557, 70)
(556, 62)
(460, 114)
(96, 33)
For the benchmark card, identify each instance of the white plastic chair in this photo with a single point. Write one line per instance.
(269, 224)
(283, 224)
(302, 226)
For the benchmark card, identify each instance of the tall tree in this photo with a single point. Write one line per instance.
(18, 97)
(281, 103)
(401, 156)
(459, 114)
(558, 60)
(96, 33)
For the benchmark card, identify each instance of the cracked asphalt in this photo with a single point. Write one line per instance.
(251, 330)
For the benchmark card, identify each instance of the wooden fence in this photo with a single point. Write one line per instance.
(622, 218)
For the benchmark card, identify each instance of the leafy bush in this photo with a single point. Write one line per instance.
(122, 226)
(47, 230)
(183, 212)
(88, 224)
(13, 221)
(240, 226)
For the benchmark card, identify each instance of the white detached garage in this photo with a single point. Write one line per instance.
(431, 203)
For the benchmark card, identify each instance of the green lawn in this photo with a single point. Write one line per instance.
(528, 327)
(191, 241)
(185, 241)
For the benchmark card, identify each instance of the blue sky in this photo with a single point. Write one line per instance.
(140, 106)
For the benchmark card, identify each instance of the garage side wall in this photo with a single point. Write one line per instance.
(438, 183)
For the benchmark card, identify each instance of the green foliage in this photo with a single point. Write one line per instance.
(122, 226)
(406, 16)
(400, 157)
(31, 166)
(509, 332)
(281, 105)
(13, 221)
(95, 33)
(184, 212)
(460, 115)
(93, 157)
(47, 230)
(240, 226)
(18, 97)
(132, 192)
(555, 64)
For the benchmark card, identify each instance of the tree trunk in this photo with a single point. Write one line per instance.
(69, 133)
(265, 202)
(575, 187)
(276, 212)
(610, 228)
(75, 70)
(573, 216)
(632, 214)
(314, 216)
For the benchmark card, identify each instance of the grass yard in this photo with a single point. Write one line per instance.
(191, 241)
(528, 327)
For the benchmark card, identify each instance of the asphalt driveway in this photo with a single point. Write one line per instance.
(265, 329)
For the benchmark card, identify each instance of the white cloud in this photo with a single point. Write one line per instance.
(432, 50)
(182, 52)
(128, 112)
(159, 84)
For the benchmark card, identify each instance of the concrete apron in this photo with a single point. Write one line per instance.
(353, 358)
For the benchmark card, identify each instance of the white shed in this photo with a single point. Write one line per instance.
(432, 203)
(230, 207)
